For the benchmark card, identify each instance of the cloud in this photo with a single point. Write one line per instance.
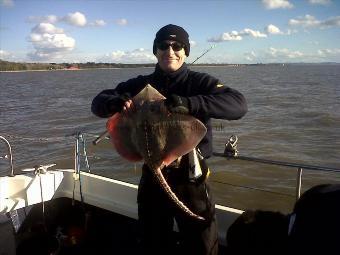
(98, 23)
(5, 55)
(291, 31)
(277, 4)
(43, 28)
(287, 55)
(309, 21)
(250, 56)
(136, 56)
(232, 36)
(320, 2)
(75, 19)
(7, 3)
(253, 33)
(49, 42)
(237, 36)
(43, 19)
(328, 52)
(122, 22)
(13, 57)
(306, 21)
(274, 30)
(192, 43)
(284, 53)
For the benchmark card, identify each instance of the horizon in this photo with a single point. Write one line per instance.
(190, 64)
(241, 32)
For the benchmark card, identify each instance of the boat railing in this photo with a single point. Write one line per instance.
(8, 156)
(231, 152)
(80, 150)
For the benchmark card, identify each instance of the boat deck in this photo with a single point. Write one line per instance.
(82, 229)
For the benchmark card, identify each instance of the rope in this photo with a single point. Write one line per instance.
(38, 139)
(47, 139)
(252, 188)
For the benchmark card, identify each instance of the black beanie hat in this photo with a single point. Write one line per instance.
(174, 33)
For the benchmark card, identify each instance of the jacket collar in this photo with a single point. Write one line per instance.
(176, 76)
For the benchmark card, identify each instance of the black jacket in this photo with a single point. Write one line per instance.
(208, 98)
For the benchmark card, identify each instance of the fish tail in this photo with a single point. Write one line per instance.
(173, 196)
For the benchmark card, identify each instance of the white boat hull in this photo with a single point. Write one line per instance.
(109, 194)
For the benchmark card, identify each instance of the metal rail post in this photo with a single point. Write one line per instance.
(298, 183)
(10, 155)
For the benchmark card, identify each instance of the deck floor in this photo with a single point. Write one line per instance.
(104, 232)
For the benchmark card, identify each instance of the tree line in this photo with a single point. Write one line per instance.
(22, 66)
(17, 66)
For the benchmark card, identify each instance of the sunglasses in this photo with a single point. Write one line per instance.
(176, 46)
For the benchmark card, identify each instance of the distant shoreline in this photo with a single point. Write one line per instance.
(54, 70)
(42, 67)
(80, 69)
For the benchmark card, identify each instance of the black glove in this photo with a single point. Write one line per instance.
(177, 104)
(117, 104)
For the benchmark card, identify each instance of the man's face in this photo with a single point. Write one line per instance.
(170, 59)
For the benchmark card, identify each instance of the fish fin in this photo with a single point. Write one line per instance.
(119, 129)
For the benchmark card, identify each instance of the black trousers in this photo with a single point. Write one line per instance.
(157, 213)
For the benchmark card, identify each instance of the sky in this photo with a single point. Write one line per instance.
(234, 31)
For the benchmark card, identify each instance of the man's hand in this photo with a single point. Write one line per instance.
(128, 107)
(177, 104)
(121, 103)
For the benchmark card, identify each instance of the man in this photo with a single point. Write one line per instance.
(187, 92)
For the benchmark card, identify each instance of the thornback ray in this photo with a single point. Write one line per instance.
(150, 133)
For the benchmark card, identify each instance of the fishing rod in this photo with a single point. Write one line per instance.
(213, 46)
